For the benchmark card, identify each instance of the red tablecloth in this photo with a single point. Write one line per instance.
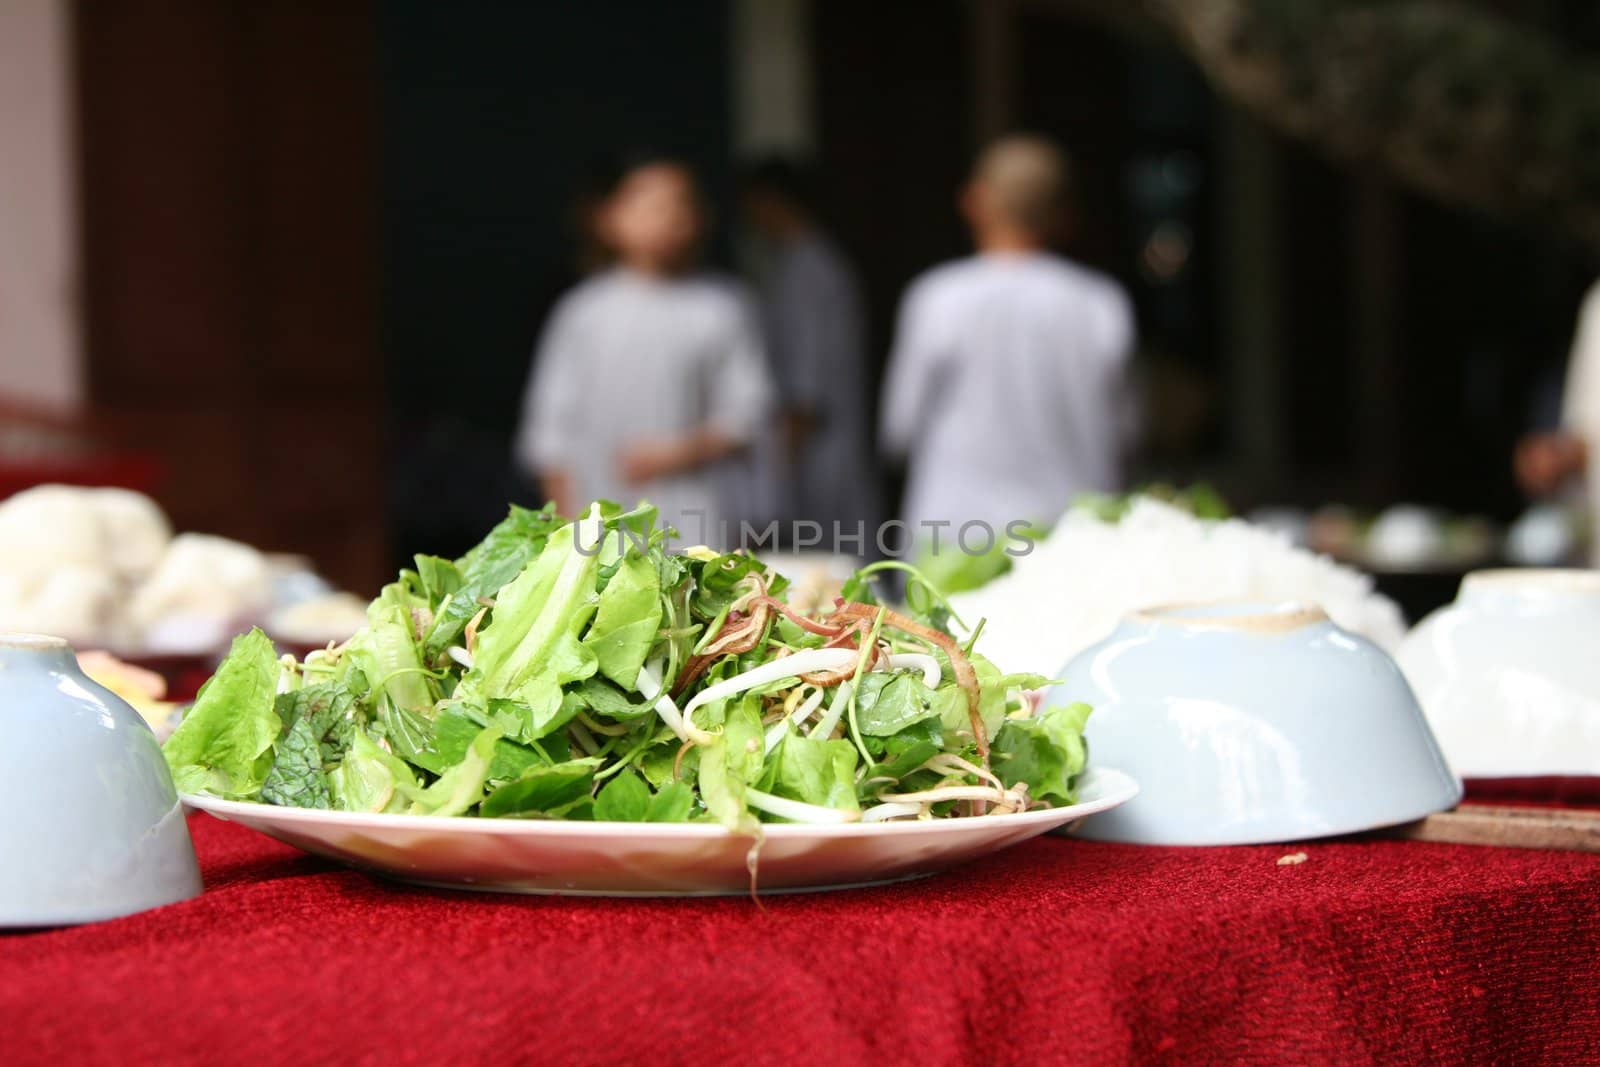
(1057, 951)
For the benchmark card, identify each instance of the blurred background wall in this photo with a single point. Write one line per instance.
(40, 337)
(316, 239)
(230, 207)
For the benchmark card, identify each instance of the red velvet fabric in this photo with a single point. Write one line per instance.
(1056, 951)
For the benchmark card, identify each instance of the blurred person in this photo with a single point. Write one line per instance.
(1547, 460)
(650, 379)
(1006, 390)
(587, 255)
(811, 308)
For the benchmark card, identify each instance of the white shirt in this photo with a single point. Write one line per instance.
(1580, 413)
(1006, 389)
(627, 358)
(817, 340)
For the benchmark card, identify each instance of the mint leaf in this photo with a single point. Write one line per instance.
(717, 581)
(817, 772)
(322, 721)
(1046, 751)
(296, 779)
(902, 753)
(543, 790)
(672, 803)
(330, 708)
(623, 799)
(888, 703)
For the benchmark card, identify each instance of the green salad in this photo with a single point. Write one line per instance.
(580, 670)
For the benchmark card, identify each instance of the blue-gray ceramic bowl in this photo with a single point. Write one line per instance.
(1247, 722)
(90, 825)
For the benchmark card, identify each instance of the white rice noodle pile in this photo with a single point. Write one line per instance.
(1074, 587)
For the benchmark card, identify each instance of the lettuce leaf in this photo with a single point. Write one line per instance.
(994, 694)
(370, 779)
(530, 647)
(454, 730)
(627, 620)
(732, 761)
(603, 698)
(722, 788)
(224, 745)
(387, 654)
(459, 788)
(497, 559)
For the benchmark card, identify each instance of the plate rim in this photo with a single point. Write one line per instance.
(1118, 788)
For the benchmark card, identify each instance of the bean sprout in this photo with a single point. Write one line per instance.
(949, 762)
(650, 682)
(795, 810)
(800, 714)
(904, 661)
(1009, 798)
(811, 659)
(895, 809)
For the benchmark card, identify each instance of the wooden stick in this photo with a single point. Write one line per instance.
(1563, 829)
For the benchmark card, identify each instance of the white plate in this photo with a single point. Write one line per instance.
(649, 859)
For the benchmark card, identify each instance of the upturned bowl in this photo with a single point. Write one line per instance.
(1253, 722)
(1509, 674)
(91, 825)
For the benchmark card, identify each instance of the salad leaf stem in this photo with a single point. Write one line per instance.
(868, 645)
(713, 630)
(916, 575)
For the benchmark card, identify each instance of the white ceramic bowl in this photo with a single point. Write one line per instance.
(1509, 674)
(92, 827)
(1249, 722)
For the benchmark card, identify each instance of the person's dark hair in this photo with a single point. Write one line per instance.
(624, 164)
(785, 177)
